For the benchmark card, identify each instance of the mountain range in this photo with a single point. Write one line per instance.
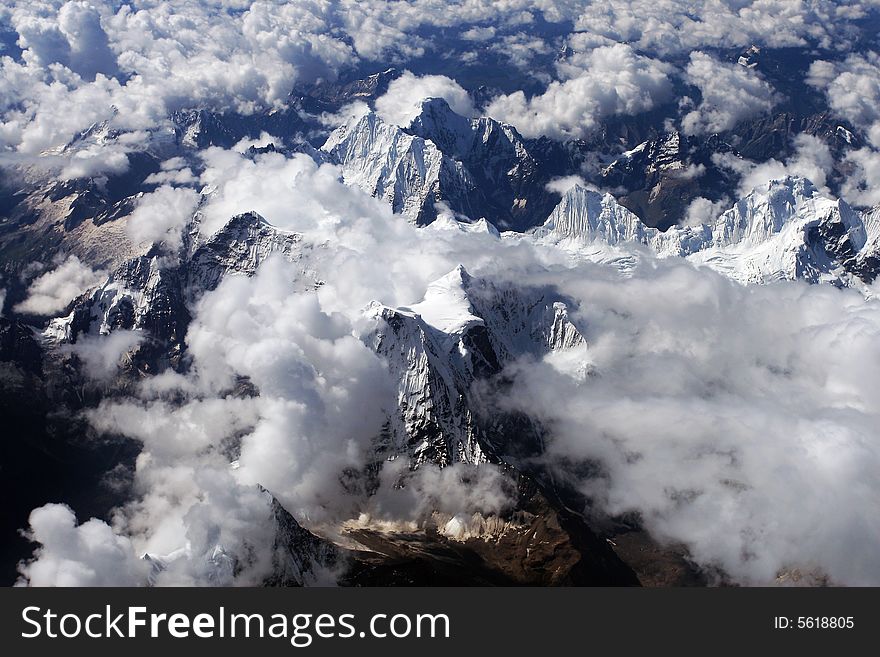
(446, 352)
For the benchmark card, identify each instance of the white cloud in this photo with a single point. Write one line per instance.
(669, 27)
(521, 48)
(51, 292)
(134, 65)
(852, 89)
(95, 161)
(793, 364)
(260, 142)
(161, 215)
(458, 489)
(90, 554)
(480, 34)
(100, 355)
(776, 428)
(862, 186)
(402, 102)
(740, 421)
(602, 82)
(730, 94)
(350, 112)
(812, 160)
(564, 183)
(172, 172)
(90, 51)
(703, 211)
(82, 59)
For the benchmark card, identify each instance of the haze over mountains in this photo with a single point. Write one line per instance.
(376, 293)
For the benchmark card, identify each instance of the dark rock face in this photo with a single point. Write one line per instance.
(49, 453)
(329, 96)
(658, 180)
(299, 557)
(203, 128)
(509, 182)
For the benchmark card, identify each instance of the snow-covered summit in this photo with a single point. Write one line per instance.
(465, 329)
(587, 216)
(478, 167)
(408, 172)
(785, 229)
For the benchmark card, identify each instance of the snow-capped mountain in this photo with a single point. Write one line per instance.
(659, 177)
(510, 180)
(408, 172)
(783, 230)
(478, 167)
(447, 353)
(465, 329)
(153, 292)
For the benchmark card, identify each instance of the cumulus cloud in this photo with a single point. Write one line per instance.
(322, 391)
(321, 395)
(161, 215)
(602, 82)
(260, 142)
(95, 161)
(90, 554)
(346, 113)
(89, 45)
(520, 49)
(401, 103)
(730, 93)
(811, 159)
(84, 62)
(478, 33)
(789, 379)
(51, 292)
(862, 185)
(564, 183)
(172, 172)
(297, 194)
(764, 394)
(704, 211)
(852, 88)
(135, 65)
(670, 27)
(100, 355)
(321, 402)
(409, 497)
(740, 421)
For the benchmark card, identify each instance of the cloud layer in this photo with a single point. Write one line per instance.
(740, 421)
(51, 292)
(730, 93)
(602, 82)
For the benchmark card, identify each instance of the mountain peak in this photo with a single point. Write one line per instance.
(437, 121)
(589, 216)
(446, 305)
